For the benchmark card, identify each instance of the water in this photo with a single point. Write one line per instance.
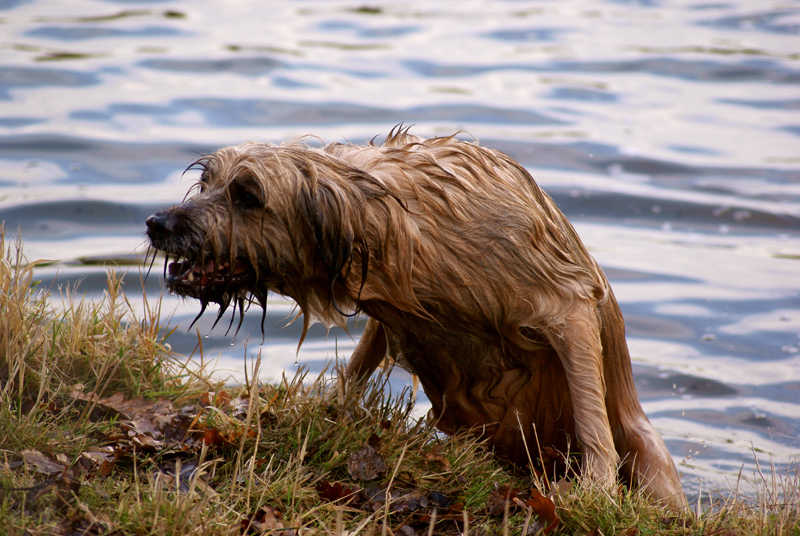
(666, 131)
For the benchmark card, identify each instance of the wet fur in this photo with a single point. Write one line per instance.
(469, 274)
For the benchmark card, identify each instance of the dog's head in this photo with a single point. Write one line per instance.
(264, 217)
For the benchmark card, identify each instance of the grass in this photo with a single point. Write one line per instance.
(105, 431)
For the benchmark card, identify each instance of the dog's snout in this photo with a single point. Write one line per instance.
(160, 226)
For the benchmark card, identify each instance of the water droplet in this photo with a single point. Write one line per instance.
(205, 337)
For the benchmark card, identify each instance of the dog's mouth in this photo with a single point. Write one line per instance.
(208, 279)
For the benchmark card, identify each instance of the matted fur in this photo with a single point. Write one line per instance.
(470, 275)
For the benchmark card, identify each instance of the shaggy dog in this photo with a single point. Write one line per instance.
(470, 277)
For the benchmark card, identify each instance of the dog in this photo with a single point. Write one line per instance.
(469, 275)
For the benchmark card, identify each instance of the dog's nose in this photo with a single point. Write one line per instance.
(159, 226)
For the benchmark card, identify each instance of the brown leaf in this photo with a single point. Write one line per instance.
(41, 463)
(212, 436)
(435, 455)
(106, 468)
(218, 400)
(234, 436)
(141, 426)
(264, 519)
(545, 510)
(51, 406)
(183, 473)
(335, 492)
(374, 441)
(98, 458)
(145, 442)
(408, 500)
(549, 455)
(116, 406)
(81, 520)
(68, 486)
(560, 490)
(239, 407)
(496, 504)
(632, 531)
(366, 464)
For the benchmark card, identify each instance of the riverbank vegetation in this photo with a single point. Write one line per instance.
(103, 430)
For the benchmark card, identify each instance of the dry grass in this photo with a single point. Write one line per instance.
(96, 345)
(174, 453)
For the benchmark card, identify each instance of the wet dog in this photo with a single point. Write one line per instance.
(470, 277)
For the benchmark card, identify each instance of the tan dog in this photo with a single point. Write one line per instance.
(470, 276)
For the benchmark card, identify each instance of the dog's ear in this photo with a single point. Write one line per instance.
(332, 215)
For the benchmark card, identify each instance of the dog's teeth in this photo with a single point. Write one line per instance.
(190, 276)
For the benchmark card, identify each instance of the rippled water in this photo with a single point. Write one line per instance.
(667, 131)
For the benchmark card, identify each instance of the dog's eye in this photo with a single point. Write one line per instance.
(249, 199)
(244, 193)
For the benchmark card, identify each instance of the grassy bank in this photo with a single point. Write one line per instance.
(104, 431)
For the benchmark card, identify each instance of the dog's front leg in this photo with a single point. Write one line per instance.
(580, 351)
(368, 354)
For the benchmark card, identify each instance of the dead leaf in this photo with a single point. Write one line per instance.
(435, 455)
(116, 406)
(141, 426)
(560, 490)
(408, 501)
(41, 463)
(545, 510)
(106, 468)
(218, 400)
(96, 457)
(374, 441)
(239, 407)
(184, 471)
(335, 492)
(264, 519)
(404, 530)
(438, 499)
(496, 503)
(81, 520)
(366, 464)
(51, 406)
(632, 531)
(68, 486)
(146, 442)
(65, 488)
(212, 436)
